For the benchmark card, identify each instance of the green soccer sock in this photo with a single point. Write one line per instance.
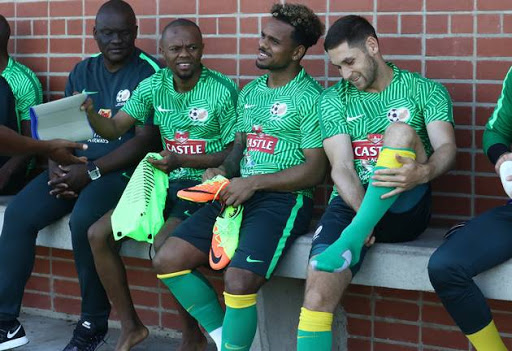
(240, 322)
(197, 296)
(314, 332)
(345, 251)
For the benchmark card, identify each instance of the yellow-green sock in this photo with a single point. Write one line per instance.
(345, 252)
(314, 332)
(240, 322)
(487, 339)
(197, 296)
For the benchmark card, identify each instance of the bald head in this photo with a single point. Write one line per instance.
(5, 33)
(119, 8)
(181, 22)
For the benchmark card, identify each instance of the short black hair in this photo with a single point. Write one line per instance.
(307, 25)
(352, 29)
(181, 22)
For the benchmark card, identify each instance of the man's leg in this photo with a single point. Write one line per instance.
(93, 202)
(399, 139)
(483, 243)
(175, 264)
(271, 223)
(405, 220)
(31, 210)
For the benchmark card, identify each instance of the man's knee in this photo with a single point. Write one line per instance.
(324, 290)
(98, 235)
(242, 282)
(444, 271)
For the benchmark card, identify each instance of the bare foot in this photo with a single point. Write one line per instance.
(195, 342)
(131, 337)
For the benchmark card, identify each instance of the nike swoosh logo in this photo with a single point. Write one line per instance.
(190, 308)
(89, 92)
(11, 335)
(249, 106)
(234, 347)
(187, 213)
(161, 109)
(250, 260)
(215, 259)
(350, 119)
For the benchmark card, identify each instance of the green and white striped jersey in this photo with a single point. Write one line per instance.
(279, 123)
(410, 98)
(199, 121)
(25, 87)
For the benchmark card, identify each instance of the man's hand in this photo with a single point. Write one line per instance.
(402, 179)
(370, 240)
(507, 156)
(5, 176)
(88, 106)
(59, 188)
(168, 163)
(60, 151)
(238, 191)
(75, 178)
(212, 172)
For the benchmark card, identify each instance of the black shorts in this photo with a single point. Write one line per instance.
(404, 221)
(271, 223)
(176, 207)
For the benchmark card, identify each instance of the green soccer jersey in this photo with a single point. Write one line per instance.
(25, 87)
(410, 98)
(279, 123)
(200, 121)
(498, 131)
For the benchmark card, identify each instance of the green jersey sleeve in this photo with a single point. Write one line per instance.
(227, 116)
(438, 105)
(140, 105)
(311, 136)
(498, 130)
(331, 113)
(30, 95)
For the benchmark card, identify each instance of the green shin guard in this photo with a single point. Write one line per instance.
(345, 252)
(197, 296)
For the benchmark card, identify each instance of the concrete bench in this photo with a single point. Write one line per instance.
(398, 266)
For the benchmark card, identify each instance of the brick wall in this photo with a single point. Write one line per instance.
(464, 44)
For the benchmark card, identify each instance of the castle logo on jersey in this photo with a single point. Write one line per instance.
(198, 114)
(181, 144)
(401, 114)
(259, 141)
(122, 96)
(368, 149)
(277, 110)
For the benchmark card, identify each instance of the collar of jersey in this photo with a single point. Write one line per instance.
(264, 87)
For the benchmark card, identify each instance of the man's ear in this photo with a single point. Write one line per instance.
(299, 53)
(372, 46)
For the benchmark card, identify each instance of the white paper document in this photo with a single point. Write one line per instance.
(61, 119)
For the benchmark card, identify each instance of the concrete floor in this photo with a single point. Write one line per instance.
(50, 334)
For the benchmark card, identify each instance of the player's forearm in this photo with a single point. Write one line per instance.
(204, 161)
(106, 127)
(306, 175)
(231, 163)
(348, 185)
(441, 161)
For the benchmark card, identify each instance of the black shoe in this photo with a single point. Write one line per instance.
(86, 337)
(12, 335)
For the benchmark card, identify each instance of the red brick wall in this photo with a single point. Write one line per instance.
(464, 44)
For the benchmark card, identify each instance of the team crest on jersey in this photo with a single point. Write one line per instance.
(401, 114)
(278, 110)
(105, 112)
(122, 96)
(198, 114)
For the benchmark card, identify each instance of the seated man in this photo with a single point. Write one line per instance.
(387, 133)
(87, 191)
(27, 92)
(481, 244)
(194, 108)
(277, 159)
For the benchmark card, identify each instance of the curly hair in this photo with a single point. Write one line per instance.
(307, 25)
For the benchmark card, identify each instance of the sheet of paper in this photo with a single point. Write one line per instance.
(61, 119)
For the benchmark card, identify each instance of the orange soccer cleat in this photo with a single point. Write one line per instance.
(207, 191)
(226, 232)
